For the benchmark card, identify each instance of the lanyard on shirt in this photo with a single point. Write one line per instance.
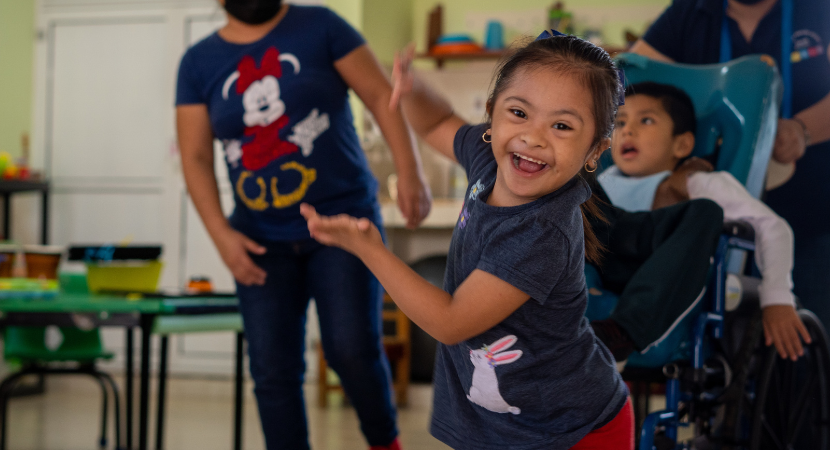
(786, 43)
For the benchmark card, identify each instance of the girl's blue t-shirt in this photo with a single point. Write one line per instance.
(281, 112)
(540, 379)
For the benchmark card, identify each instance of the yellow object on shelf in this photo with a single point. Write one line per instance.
(123, 276)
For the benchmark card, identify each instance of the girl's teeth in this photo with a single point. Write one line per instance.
(530, 159)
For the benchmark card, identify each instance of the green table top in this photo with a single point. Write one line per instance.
(86, 303)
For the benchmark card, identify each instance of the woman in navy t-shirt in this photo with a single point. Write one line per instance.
(709, 31)
(272, 86)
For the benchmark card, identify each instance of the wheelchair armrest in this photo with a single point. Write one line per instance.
(739, 229)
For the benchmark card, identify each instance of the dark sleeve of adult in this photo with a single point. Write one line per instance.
(342, 38)
(668, 33)
(188, 91)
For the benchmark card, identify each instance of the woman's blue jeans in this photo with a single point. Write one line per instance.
(348, 300)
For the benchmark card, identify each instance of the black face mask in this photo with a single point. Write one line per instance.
(253, 12)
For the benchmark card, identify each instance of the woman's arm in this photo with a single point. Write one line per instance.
(196, 147)
(817, 119)
(362, 73)
(642, 47)
(429, 113)
(479, 303)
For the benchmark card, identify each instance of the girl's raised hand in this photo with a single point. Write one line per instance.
(401, 75)
(344, 231)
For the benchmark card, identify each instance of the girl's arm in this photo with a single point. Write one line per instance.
(479, 303)
(362, 73)
(429, 113)
(196, 147)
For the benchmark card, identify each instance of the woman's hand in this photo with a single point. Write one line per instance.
(414, 198)
(402, 77)
(344, 231)
(234, 247)
(782, 327)
(790, 142)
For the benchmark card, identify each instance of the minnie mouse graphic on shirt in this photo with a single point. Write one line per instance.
(264, 119)
(264, 109)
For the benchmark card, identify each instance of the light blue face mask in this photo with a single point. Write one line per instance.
(631, 193)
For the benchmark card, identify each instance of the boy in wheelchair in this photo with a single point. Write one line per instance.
(653, 138)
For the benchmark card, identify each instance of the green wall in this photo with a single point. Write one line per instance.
(387, 25)
(351, 10)
(455, 14)
(17, 36)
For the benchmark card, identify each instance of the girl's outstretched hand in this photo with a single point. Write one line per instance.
(402, 76)
(344, 231)
(784, 329)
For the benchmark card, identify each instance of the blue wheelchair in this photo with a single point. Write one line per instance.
(721, 381)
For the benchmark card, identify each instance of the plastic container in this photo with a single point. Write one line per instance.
(493, 39)
(6, 263)
(455, 48)
(200, 284)
(42, 261)
(123, 276)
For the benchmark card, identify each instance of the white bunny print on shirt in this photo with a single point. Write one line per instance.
(485, 387)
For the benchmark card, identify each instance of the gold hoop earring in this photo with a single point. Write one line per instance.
(485, 135)
(591, 170)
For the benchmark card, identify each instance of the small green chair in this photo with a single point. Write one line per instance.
(27, 347)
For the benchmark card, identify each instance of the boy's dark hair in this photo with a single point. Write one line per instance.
(677, 104)
(595, 68)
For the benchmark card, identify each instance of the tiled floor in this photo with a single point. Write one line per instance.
(199, 416)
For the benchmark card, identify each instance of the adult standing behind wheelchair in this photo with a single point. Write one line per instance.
(797, 34)
(273, 85)
(654, 135)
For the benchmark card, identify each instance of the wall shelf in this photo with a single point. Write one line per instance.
(487, 54)
(441, 58)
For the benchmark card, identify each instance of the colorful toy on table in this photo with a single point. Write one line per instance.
(11, 170)
(200, 285)
(29, 288)
(120, 268)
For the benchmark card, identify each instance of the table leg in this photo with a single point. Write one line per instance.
(44, 218)
(237, 417)
(7, 213)
(162, 392)
(129, 373)
(144, 388)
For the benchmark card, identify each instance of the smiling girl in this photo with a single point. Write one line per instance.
(518, 366)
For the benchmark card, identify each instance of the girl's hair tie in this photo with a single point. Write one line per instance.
(549, 34)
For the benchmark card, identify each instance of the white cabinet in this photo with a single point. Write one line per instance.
(105, 136)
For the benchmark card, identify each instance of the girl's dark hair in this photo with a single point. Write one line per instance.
(598, 73)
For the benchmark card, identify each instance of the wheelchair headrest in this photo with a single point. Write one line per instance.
(736, 104)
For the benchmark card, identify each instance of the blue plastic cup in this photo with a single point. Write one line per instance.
(493, 39)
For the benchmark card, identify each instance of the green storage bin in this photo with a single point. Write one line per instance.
(123, 276)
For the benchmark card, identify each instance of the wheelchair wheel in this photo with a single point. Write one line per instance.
(791, 408)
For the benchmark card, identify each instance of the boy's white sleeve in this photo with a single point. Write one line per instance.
(773, 235)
